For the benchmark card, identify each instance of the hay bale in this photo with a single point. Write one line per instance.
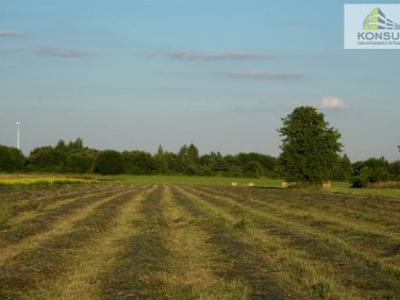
(234, 184)
(284, 184)
(251, 183)
(327, 184)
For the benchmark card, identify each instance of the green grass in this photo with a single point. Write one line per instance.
(192, 180)
(337, 186)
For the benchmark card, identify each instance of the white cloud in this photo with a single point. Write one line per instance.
(9, 33)
(61, 52)
(332, 103)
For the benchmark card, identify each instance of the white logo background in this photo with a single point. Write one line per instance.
(354, 15)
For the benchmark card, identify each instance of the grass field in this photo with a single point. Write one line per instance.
(119, 240)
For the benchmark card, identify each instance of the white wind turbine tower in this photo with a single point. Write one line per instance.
(18, 144)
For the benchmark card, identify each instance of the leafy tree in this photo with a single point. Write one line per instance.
(109, 162)
(138, 162)
(253, 169)
(395, 170)
(363, 178)
(310, 146)
(80, 161)
(379, 169)
(343, 170)
(161, 162)
(11, 159)
(192, 154)
(43, 159)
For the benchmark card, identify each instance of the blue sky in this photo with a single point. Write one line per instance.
(221, 74)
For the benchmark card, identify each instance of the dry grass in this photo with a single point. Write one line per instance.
(198, 242)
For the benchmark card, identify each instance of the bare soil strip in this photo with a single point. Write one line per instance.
(37, 267)
(243, 261)
(352, 269)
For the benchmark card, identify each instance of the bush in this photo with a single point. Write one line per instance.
(363, 179)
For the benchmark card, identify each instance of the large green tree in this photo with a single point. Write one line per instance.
(310, 146)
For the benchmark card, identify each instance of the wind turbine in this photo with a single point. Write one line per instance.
(18, 144)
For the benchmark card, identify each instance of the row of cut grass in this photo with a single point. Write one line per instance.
(382, 244)
(30, 208)
(39, 267)
(292, 266)
(194, 263)
(139, 269)
(60, 227)
(94, 258)
(240, 259)
(44, 221)
(353, 269)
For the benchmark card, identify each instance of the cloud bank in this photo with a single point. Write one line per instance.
(267, 75)
(193, 56)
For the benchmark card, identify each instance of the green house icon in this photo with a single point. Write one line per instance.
(376, 20)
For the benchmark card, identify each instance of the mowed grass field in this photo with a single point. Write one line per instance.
(121, 240)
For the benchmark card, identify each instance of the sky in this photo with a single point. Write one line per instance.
(130, 75)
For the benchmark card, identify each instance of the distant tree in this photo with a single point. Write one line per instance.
(43, 159)
(192, 154)
(395, 170)
(310, 146)
(253, 169)
(77, 144)
(343, 170)
(11, 159)
(109, 162)
(80, 161)
(138, 163)
(161, 162)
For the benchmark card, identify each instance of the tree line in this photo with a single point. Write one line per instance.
(75, 157)
(311, 152)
